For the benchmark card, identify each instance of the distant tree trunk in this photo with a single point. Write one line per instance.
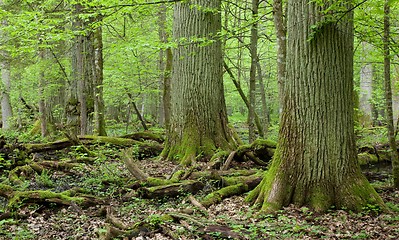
(6, 110)
(99, 108)
(161, 61)
(73, 104)
(167, 88)
(315, 163)
(82, 107)
(366, 89)
(388, 95)
(252, 74)
(265, 109)
(42, 99)
(281, 33)
(86, 87)
(198, 114)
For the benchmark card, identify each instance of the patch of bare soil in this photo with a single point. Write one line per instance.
(230, 219)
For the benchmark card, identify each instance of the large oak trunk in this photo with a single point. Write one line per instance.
(315, 163)
(198, 112)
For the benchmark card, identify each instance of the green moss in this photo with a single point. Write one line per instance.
(20, 197)
(362, 194)
(217, 196)
(23, 171)
(233, 180)
(177, 175)
(367, 158)
(264, 143)
(159, 181)
(220, 155)
(5, 189)
(114, 140)
(320, 200)
(269, 177)
(208, 147)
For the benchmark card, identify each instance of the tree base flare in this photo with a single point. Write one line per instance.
(276, 191)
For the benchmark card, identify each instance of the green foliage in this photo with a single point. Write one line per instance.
(372, 209)
(44, 179)
(21, 233)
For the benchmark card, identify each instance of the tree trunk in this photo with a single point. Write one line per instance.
(162, 35)
(72, 109)
(42, 101)
(252, 73)
(265, 109)
(99, 108)
(166, 87)
(198, 124)
(366, 88)
(388, 95)
(315, 163)
(6, 110)
(281, 33)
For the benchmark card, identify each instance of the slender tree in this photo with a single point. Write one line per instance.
(315, 163)
(388, 95)
(252, 74)
(281, 33)
(5, 64)
(198, 124)
(366, 87)
(99, 108)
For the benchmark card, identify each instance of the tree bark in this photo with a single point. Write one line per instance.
(388, 95)
(6, 109)
(198, 110)
(281, 33)
(161, 61)
(314, 164)
(42, 102)
(366, 88)
(252, 73)
(99, 108)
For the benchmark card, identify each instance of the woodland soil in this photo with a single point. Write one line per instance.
(230, 219)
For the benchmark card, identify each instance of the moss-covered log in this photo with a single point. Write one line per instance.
(144, 136)
(171, 190)
(145, 149)
(18, 198)
(217, 196)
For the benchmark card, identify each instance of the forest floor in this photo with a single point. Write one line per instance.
(233, 218)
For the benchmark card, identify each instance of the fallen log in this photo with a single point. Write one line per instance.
(18, 198)
(144, 136)
(171, 190)
(145, 149)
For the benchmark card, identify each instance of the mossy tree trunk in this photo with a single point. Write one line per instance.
(198, 112)
(315, 163)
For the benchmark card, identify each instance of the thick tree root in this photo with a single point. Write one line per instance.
(204, 229)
